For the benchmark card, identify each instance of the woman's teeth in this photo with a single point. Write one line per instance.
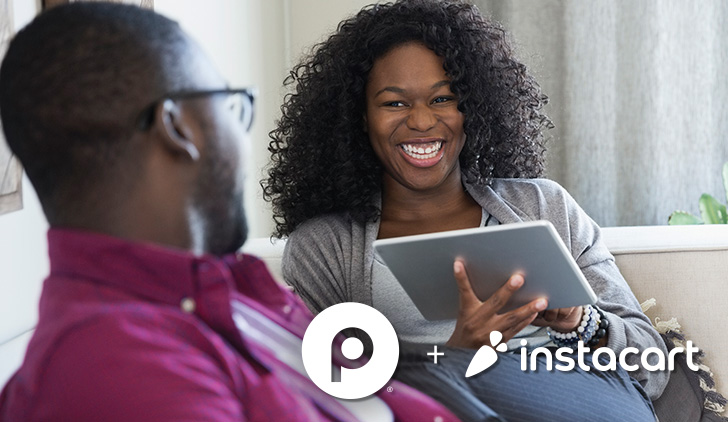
(422, 151)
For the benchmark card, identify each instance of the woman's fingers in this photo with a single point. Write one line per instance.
(494, 303)
(477, 319)
(550, 315)
(562, 319)
(468, 299)
(517, 319)
(501, 296)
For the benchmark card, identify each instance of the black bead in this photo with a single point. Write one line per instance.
(604, 323)
(601, 333)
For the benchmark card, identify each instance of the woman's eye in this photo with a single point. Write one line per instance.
(442, 100)
(394, 104)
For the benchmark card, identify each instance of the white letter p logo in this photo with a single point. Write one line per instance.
(353, 383)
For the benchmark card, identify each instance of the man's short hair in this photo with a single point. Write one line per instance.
(73, 83)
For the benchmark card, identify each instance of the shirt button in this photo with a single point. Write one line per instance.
(438, 419)
(188, 305)
(287, 309)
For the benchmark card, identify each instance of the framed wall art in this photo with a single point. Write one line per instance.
(11, 173)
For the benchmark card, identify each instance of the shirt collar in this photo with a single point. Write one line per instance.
(146, 270)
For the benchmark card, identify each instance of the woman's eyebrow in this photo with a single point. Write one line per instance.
(398, 90)
(443, 82)
(394, 89)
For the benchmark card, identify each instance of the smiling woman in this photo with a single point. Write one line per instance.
(415, 117)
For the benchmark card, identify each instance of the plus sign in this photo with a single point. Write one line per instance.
(435, 354)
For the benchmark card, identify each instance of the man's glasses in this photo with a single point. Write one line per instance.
(239, 101)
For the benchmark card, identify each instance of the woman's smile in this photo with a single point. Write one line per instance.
(423, 152)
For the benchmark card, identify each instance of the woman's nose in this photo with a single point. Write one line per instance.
(421, 118)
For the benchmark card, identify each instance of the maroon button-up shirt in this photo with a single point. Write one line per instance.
(137, 332)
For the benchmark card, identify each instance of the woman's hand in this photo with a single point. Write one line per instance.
(564, 320)
(476, 319)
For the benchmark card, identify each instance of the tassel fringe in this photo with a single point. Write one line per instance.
(714, 401)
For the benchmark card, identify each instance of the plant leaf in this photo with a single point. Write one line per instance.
(713, 212)
(679, 218)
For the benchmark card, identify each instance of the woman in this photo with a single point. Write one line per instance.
(415, 117)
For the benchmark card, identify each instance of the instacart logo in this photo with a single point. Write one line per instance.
(486, 356)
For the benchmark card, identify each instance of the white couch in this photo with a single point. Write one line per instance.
(684, 268)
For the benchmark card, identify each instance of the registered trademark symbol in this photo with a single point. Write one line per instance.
(390, 389)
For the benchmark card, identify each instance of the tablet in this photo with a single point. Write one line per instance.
(423, 265)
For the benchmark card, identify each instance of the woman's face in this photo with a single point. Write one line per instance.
(412, 118)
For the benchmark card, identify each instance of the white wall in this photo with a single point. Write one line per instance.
(311, 21)
(24, 264)
(23, 258)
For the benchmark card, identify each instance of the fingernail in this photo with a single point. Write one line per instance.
(516, 281)
(456, 267)
(540, 305)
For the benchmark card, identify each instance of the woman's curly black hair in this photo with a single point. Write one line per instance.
(322, 160)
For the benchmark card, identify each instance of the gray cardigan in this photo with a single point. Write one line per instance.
(329, 260)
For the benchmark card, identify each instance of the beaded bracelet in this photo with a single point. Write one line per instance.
(591, 330)
(601, 329)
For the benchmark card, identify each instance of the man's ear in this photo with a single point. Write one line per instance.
(174, 130)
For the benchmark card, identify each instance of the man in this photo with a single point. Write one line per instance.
(132, 142)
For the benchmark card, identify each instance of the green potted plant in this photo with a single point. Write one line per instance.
(711, 211)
